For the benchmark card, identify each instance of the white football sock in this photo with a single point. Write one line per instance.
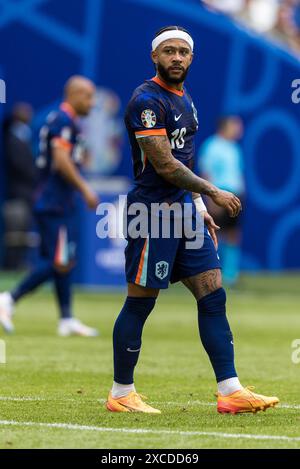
(228, 386)
(121, 390)
(7, 302)
(10, 299)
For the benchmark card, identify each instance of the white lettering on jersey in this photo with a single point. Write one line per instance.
(178, 138)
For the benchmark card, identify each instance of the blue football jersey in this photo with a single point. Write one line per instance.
(55, 194)
(156, 109)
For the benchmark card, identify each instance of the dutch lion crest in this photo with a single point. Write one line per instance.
(161, 269)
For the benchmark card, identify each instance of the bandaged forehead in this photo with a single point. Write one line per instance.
(174, 34)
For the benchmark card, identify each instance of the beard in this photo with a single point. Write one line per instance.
(83, 111)
(165, 74)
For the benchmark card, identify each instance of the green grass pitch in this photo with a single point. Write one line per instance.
(48, 381)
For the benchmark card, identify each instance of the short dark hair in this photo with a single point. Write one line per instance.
(223, 121)
(170, 28)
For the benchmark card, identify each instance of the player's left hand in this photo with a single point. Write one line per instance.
(212, 227)
(228, 201)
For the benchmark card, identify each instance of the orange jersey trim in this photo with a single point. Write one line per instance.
(167, 87)
(150, 132)
(62, 143)
(141, 264)
(68, 109)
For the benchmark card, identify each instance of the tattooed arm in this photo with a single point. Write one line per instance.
(158, 151)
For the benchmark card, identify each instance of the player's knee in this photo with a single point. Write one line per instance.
(139, 306)
(138, 291)
(130, 322)
(64, 269)
(135, 310)
(213, 303)
(209, 282)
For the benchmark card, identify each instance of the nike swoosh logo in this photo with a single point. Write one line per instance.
(131, 409)
(232, 342)
(177, 118)
(129, 350)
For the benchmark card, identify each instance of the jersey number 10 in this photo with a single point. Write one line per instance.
(177, 141)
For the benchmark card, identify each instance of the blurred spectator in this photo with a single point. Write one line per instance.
(260, 15)
(230, 7)
(103, 129)
(21, 177)
(278, 19)
(288, 24)
(221, 162)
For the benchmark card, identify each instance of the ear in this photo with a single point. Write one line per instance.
(154, 57)
(192, 58)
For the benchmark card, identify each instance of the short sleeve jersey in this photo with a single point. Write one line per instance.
(156, 109)
(55, 194)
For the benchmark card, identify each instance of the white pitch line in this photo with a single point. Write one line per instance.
(70, 426)
(213, 404)
(288, 406)
(21, 399)
(102, 401)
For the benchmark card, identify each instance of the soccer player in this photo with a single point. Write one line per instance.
(61, 153)
(221, 163)
(161, 120)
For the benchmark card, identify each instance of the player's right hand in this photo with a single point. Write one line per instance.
(228, 201)
(91, 198)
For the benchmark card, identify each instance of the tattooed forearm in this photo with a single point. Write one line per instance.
(184, 178)
(158, 151)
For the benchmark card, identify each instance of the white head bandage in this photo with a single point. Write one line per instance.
(173, 34)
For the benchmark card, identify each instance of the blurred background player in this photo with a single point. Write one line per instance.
(61, 153)
(21, 180)
(221, 163)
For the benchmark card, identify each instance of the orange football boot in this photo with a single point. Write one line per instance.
(131, 403)
(244, 401)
